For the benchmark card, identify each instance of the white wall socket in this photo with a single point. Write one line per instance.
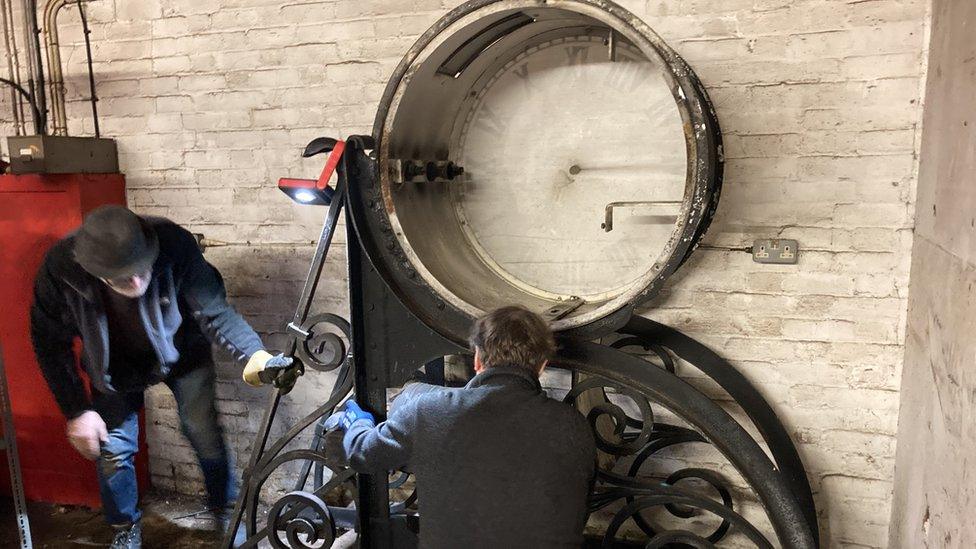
(778, 250)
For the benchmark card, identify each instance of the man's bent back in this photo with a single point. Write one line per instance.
(497, 462)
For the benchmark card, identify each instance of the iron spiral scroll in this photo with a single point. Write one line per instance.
(642, 410)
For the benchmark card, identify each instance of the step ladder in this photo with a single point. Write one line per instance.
(9, 443)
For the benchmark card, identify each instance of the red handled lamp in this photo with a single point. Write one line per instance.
(314, 191)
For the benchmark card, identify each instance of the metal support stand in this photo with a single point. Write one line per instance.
(295, 327)
(379, 359)
(13, 461)
(388, 343)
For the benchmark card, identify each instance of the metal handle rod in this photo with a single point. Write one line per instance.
(318, 260)
(256, 452)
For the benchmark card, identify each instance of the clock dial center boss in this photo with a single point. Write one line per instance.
(557, 155)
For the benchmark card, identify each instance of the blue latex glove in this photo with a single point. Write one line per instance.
(349, 414)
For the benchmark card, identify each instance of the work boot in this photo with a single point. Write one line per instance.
(127, 537)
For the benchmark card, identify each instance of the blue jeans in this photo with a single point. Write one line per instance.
(195, 396)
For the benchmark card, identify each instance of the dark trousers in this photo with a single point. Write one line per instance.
(195, 396)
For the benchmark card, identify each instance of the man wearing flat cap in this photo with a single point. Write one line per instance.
(147, 307)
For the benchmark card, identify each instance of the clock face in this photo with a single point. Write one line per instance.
(591, 166)
(552, 139)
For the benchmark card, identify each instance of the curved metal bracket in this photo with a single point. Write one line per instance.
(746, 395)
(716, 425)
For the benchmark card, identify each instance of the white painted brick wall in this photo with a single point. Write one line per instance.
(819, 103)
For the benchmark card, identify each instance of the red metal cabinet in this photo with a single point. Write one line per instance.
(35, 211)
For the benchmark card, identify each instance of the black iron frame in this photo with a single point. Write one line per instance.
(388, 343)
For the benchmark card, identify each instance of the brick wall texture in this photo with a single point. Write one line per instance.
(819, 100)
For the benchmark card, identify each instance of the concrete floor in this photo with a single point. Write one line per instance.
(170, 521)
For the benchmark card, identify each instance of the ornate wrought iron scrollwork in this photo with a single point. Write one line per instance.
(261, 469)
(637, 441)
(643, 438)
(324, 350)
(667, 361)
(298, 512)
(301, 530)
(619, 417)
(672, 537)
(399, 482)
(738, 387)
(634, 433)
(641, 495)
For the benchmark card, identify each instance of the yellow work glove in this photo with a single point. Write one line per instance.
(263, 367)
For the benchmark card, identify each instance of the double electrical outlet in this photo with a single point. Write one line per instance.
(780, 251)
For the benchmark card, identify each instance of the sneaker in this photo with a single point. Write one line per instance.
(127, 537)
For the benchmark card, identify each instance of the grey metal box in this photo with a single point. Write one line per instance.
(61, 154)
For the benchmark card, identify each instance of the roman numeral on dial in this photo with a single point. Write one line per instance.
(490, 122)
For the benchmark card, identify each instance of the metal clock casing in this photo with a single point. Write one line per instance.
(548, 168)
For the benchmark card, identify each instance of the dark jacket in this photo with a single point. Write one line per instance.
(68, 303)
(497, 462)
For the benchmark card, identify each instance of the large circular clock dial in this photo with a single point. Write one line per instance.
(555, 136)
(556, 155)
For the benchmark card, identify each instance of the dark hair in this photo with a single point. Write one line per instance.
(513, 336)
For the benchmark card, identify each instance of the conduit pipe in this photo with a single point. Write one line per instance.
(59, 116)
(13, 65)
(35, 69)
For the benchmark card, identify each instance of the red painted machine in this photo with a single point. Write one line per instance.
(35, 211)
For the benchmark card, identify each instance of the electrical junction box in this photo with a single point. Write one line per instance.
(57, 154)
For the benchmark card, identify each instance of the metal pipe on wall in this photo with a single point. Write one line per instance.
(31, 71)
(52, 43)
(36, 94)
(91, 72)
(17, 68)
(13, 65)
(10, 67)
(35, 68)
